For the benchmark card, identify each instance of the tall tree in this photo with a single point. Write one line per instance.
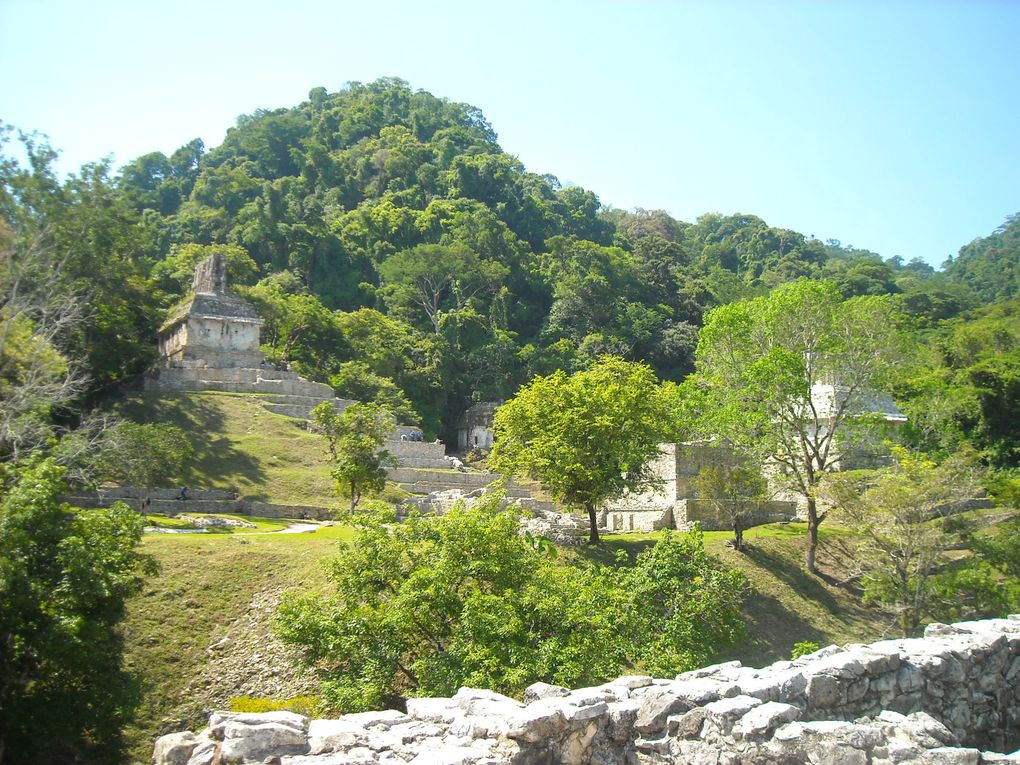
(897, 514)
(788, 379)
(356, 437)
(430, 278)
(587, 436)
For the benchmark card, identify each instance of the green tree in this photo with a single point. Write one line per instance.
(125, 453)
(735, 492)
(356, 436)
(430, 279)
(179, 267)
(898, 513)
(356, 381)
(787, 378)
(587, 436)
(689, 605)
(64, 695)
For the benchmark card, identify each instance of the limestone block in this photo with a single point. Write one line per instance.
(762, 720)
(656, 707)
(824, 691)
(205, 753)
(632, 682)
(537, 722)
(622, 716)
(435, 710)
(334, 735)
(574, 750)
(174, 748)
(575, 713)
(950, 756)
(537, 691)
(243, 741)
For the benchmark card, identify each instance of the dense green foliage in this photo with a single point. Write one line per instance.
(898, 514)
(63, 583)
(434, 603)
(587, 437)
(969, 389)
(991, 265)
(378, 198)
(397, 253)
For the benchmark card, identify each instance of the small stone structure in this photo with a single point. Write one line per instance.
(950, 698)
(671, 501)
(475, 428)
(213, 327)
(538, 517)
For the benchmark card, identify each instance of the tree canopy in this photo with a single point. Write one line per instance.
(433, 603)
(587, 436)
(786, 377)
(63, 583)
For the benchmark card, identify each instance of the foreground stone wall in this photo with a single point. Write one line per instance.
(951, 697)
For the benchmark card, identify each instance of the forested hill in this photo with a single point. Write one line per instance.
(398, 253)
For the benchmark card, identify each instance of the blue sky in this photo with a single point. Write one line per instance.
(890, 126)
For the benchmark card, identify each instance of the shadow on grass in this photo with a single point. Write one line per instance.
(794, 575)
(772, 631)
(200, 419)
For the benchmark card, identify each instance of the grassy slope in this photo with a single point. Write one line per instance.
(240, 445)
(785, 604)
(205, 584)
(208, 583)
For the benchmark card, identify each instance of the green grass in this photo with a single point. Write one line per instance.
(242, 446)
(262, 525)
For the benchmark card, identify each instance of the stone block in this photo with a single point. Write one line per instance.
(765, 718)
(174, 748)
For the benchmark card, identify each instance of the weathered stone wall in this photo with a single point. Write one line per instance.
(475, 428)
(940, 699)
(707, 516)
(670, 500)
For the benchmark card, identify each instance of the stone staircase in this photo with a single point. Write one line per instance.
(423, 467)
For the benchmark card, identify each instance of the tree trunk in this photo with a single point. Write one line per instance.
(812, 530)
(354, 497)
(738, 537)
(593, 534)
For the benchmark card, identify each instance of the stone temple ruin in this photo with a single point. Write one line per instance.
(210, 342)
(671, 501)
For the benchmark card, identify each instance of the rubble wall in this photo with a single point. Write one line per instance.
(950, 697)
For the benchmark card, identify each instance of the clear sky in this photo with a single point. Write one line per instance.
(891, 126)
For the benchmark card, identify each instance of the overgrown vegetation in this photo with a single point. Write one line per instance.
(63, 585)
(396, 252)
(434, 603)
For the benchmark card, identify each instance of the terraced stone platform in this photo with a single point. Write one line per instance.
(209, 501)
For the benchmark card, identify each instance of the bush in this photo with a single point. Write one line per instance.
(302, 705)
(804, 648)
(433, 603)
(64, 695)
